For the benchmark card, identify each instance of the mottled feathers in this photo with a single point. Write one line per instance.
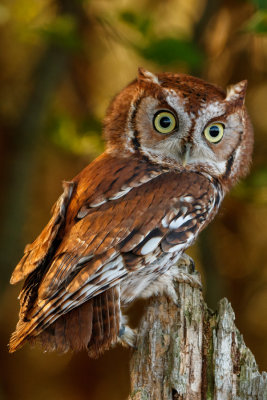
(128, 216)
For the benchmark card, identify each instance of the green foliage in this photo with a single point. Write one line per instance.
(260, 4)
(169, 50)
(62, 32)
(139, 21)
(254, 188)
(165, 50)
(258, 178)
(258, 23)
(78, 138)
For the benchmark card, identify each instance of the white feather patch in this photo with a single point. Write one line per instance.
(164, 222)
(150, 245)
(188, 199)
(93, 205)
(176, 223)
(177, 247)
(120, 194)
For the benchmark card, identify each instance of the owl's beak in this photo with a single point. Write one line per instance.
(186, 153)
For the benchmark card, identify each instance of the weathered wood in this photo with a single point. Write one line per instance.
(188, 352)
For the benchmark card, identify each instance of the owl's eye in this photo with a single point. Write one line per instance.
(164, 122)
(214, 132)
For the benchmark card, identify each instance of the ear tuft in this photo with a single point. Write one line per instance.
(237, 92)
(145, 76)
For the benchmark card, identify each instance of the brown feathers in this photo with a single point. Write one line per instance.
(72, 331)
(106, 322)
(35, 253)
(129, 215)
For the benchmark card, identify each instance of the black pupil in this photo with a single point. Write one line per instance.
(214, 131)
(165, 122)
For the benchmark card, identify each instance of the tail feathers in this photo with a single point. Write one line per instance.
(93, 326)
(72, 331)
(17, 339)
(106, 322)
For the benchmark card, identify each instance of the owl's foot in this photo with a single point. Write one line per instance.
(127, 336)
(185, 261)
(182, 272)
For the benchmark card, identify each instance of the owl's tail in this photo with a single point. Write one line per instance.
(93, 326)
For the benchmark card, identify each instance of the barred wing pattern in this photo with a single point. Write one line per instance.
(106, 232)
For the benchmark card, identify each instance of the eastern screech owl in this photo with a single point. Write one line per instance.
(175, 146)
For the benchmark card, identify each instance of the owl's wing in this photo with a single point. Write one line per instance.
(106, 178)
(36, 252)
(110, 240)
(165, 213)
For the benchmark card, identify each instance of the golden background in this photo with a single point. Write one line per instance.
(60, 64)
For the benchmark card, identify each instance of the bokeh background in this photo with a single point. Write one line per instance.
(61, 61)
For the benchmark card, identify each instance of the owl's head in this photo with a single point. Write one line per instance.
(182, 122)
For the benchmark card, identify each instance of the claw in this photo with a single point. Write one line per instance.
(127, 336)
(184, 272)
(187, 261)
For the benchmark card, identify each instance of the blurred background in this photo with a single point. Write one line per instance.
(61, 61)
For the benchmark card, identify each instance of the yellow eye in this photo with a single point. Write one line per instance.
(164, 122)
(214, 132)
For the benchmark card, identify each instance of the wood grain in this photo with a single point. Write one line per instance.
(188, 352)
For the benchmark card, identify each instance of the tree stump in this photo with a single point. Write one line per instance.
(188, 352)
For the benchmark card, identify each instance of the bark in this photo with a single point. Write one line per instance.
(188, 352)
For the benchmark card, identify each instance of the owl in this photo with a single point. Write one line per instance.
(175, 145)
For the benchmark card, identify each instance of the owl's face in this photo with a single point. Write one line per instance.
(184, 123)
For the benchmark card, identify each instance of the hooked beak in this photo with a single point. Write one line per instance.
(186, 153)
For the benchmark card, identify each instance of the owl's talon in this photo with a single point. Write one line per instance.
(181, 275)
(127, 336)
(122, 330)
(186, 261)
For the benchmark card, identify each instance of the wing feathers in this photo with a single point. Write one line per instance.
(106, 322)
(36, 252)
(105, 243)
(94, 325)
(71, 331)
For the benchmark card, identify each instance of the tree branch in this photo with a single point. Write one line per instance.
(188, 352)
